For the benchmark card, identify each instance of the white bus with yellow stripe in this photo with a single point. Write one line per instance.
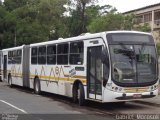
(110, 66)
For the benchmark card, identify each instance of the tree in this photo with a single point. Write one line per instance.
(129, 22)
(105, 23)
(3, 13)
(51, 12)
(80, 14)
(0, 3)
(116, 21)
(9, 29)
(144, 28)
(11, 5)
(95, 11)
(32, 21)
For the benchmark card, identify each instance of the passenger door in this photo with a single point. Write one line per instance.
(94, 72)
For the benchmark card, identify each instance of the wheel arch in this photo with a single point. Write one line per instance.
(76, 85)
(36, 77)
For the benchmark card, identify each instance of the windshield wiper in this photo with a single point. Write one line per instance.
(128, 52)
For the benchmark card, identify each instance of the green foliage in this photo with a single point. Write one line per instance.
(32, 21)
(116, 21)
(0, 3)
(129, 21)
(105, 23)
(11, 5)
(145, 27)
(79, 15)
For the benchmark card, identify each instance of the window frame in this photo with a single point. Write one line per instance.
(51, 54)
(63, 54)
(18, 56)
(15, 57)
(34, 55)
(42, 55)
(10, 57)
(76, 53)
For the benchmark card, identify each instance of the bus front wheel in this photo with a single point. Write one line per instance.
(78, 94)
(81, 98)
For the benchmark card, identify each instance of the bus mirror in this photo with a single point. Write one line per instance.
(104, 82)
(104, 56)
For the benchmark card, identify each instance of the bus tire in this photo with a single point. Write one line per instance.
(37, 87)
(10, 80)
(75, 94)
(81, 96)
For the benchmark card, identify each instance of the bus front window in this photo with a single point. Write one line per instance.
(123, 63)
(133, 59)
(146, 63)
(133, 64)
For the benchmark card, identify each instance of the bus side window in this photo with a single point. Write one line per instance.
(76, 53)
(42, 55)
(19, 56)
(62, 54)
(14, 57)
(51, 54)
(34, 58)
(10, 57)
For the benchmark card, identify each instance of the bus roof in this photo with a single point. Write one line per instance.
(77, 38)
(13, 48)
(84, 37)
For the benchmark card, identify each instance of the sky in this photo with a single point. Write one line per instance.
(127, 5)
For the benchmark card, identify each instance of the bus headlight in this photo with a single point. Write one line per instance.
(114, 88)
(117, 89)
(154, 87)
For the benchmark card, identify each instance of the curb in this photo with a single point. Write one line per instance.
(147, 103)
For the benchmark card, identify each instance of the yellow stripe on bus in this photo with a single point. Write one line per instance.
(55, 78)
(130, 90)
(70, 79)
(58, 78)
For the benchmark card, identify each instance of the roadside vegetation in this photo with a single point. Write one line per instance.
(31, 21)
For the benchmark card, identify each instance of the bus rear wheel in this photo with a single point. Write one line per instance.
(10, 80)
(37, 87)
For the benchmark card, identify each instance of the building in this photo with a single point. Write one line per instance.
(151, 15)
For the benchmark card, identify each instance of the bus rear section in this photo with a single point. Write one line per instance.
(133, 67)
(15, 66)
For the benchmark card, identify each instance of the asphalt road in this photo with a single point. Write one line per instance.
(24, 103)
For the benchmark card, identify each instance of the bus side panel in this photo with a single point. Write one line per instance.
(16, 71)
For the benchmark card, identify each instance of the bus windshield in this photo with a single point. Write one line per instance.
(133, 64)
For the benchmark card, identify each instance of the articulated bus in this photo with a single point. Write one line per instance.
(114, 66)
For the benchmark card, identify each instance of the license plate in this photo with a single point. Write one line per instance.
(137, 96)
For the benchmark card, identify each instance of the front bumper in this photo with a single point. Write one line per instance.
(112, 96)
